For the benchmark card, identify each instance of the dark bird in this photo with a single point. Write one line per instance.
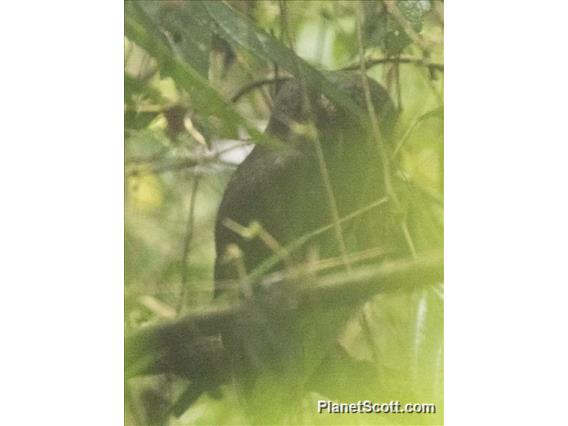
(328, 168)
(284, 189)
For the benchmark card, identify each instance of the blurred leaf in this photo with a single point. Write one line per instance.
(189, 28)
(140, 29)
(343, 46)
(427, 345)
(435, 113)
(425, 223)
(399, 353)
(239, 29)
(136, 120)
(134, 87)
(383, 30)
(438, 112)
(144, 191)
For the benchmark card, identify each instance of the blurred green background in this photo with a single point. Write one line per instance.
(191, 117)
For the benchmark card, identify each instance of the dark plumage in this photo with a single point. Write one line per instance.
(283, 190)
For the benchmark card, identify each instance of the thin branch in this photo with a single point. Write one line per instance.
(185, 163)
(250, 73)
(404, 138)
(398, 86)
(135, 159)
(320, 265)
(187, 342)
(430, 82)
(320, 44)
(332, 201)
(371, 111)
(255, 84)
(186, 244)
(407, 236)
(268, 264)
(371, 62)
(322, 165)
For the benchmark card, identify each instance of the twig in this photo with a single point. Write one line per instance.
(186, 163)
(267, 265)
(255, 84)
(398, 86)
(148, 159)
(186, 243)
(250, 73)
(324, 171)
(411, 129)
(371, 111)
(371, 62)
(407, 236)
(202, 356)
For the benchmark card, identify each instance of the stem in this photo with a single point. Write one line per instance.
(371, 110)
(186, 244)
(332, 201)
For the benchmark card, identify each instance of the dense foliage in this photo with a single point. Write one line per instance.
(200, 82)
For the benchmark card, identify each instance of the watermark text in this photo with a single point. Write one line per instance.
(368, 407)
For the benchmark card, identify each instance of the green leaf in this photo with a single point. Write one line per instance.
(140, 29)
(435, 113)
(240, 30)
(438, 112)
(135, 120)
(190, 31)
(134, 87)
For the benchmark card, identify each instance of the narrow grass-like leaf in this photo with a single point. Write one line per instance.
(435, 113)
(238, 29)
(190, 29)
(141, 30)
